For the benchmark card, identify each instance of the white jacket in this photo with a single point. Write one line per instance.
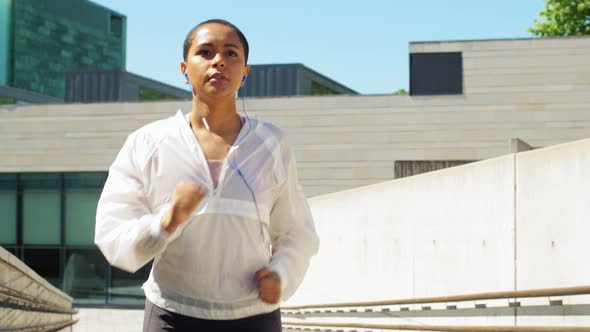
(205, 268)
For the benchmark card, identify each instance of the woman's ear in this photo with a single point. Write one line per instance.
(183, 68)
(246, 73)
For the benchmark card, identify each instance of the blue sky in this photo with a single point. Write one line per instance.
(361, 44)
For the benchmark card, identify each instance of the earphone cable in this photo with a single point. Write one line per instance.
(229, 160)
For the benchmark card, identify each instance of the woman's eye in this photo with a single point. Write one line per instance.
(232, 53)
(204, 52)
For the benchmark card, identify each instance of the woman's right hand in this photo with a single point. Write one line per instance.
(187, 197)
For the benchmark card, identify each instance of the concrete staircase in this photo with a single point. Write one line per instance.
(28, 302)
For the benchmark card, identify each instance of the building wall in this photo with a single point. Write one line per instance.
(72, 34)
(342, 142)
(520, 67)
(272, 80)
(289, 80)
(92, 86)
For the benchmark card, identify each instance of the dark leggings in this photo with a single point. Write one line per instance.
(156, 319)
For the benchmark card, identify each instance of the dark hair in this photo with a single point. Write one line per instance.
(191, 35)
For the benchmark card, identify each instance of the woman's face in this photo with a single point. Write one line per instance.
(215, 62)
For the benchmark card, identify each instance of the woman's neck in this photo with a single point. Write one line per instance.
(221, 116)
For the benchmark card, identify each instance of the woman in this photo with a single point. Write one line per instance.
(207, 196)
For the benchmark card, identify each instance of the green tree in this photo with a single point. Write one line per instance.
(563, 18)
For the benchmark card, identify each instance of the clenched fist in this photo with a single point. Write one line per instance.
(269, 285)
(187, 197)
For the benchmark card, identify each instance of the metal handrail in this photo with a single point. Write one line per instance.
(562, 291)
(444, 328)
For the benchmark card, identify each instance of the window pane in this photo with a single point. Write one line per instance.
(8, 217)
(41, 208)
(82, 191)
(436, 73)
(85, 276)
(126, 287)
(8, 209)
(80, 215)
(45, 262)
(41, 217)
(116, 25)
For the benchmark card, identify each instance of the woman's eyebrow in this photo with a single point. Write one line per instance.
(211, 45)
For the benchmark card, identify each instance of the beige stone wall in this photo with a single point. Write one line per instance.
(537, 90)
(529, 67)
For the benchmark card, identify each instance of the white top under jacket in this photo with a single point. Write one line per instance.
(205, 268)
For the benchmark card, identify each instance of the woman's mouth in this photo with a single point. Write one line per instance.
(217, 77)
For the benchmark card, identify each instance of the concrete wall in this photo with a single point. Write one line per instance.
(535, 89)
(552, 215)
(511, 223)
(441, 233)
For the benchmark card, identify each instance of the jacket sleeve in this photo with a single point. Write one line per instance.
(292, 232)
(127, 232)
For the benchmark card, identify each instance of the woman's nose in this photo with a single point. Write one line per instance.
(218, 61)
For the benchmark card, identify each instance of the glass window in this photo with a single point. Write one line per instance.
(116, 25)
(80, 215)
(46, 262)
(85, 274)
(82, 191)
(41, 208)
(436, 73)
(8, 209)
(126, 287)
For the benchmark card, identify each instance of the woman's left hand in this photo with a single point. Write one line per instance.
(269, 285)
